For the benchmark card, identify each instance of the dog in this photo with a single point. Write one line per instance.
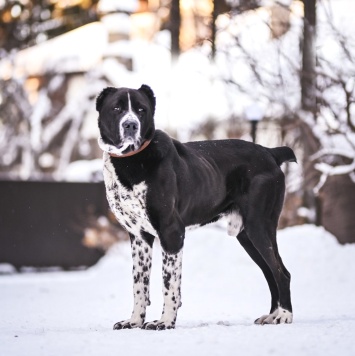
(157, 187)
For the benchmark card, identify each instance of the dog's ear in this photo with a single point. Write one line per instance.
(101, 97)
(148, 92)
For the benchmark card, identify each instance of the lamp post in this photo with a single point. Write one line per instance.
(254, 114)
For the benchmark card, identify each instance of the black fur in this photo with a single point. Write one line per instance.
(196, 183)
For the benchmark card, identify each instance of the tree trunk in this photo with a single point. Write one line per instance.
(214, 29)
(308, 77)
(175, 22)
(309, 106)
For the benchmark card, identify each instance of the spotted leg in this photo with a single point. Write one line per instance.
(142, 263)
(172, 266)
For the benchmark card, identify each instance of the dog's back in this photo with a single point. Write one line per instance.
(231, 153)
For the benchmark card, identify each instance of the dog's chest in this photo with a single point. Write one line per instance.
(128, 206)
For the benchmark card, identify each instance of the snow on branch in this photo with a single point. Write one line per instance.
(327, 170)
(333, 151)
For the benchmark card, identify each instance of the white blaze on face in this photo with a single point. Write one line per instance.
(131, 117)
(129, 103)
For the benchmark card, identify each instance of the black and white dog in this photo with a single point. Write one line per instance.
(158, 187)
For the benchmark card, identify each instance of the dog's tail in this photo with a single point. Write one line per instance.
(283, 154)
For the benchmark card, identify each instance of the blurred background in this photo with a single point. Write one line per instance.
(273, 72)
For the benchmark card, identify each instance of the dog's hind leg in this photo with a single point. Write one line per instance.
(142, 263)
(259, 240)
(257, 258)
(277, 277)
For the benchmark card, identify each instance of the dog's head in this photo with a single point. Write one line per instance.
(126, 119)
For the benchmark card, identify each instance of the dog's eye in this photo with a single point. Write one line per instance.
(117, 109)
(141, 110)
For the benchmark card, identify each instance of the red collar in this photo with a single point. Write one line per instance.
(132, 153)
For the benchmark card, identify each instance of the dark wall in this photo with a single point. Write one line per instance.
(42, 223)
(338, 208)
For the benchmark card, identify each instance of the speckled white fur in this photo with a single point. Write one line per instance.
(172, 268)
(110, 148)
(279, 316)
(235, 224)
(129, 208)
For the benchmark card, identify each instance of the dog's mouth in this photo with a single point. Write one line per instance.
(126, 146)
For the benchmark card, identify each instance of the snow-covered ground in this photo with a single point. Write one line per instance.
(72, 313)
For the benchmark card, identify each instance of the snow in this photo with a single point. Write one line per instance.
(61, 54)
(262, 69)
(84, 171)
(223, 291)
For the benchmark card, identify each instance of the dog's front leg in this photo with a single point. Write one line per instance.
(172, 267)
(142, 263)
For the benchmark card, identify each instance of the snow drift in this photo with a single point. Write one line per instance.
(223, 292)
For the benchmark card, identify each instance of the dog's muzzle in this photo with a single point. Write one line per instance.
(130, 138)
(130, 133)
(130, 128)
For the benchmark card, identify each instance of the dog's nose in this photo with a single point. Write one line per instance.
(130, 127)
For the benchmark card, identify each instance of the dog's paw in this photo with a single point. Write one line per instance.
(279, 316)
(158, 325)
(127, 324)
